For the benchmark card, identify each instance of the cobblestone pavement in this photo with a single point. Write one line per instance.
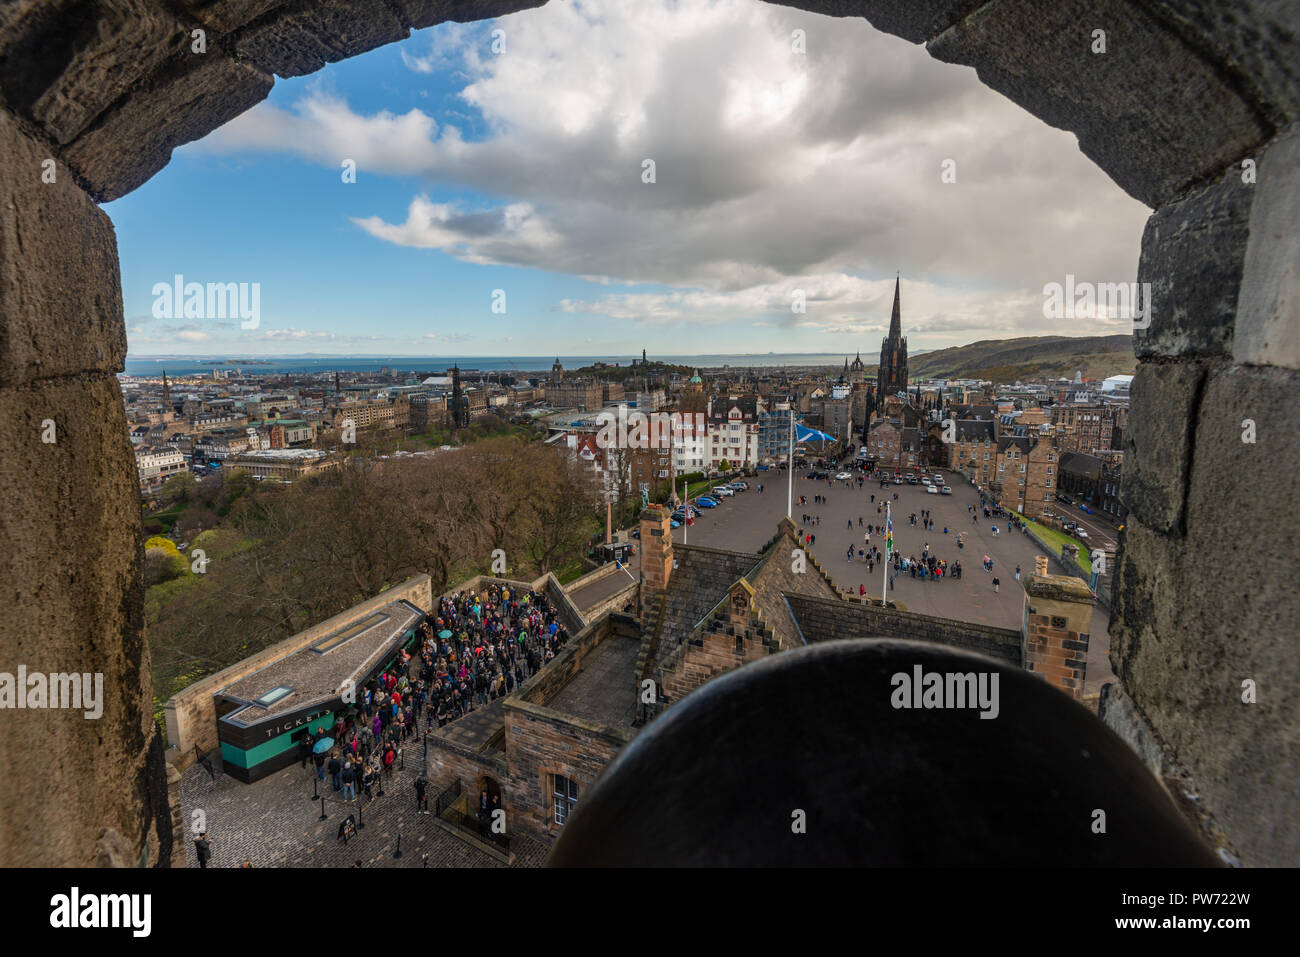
(275, 823)
(748, 521)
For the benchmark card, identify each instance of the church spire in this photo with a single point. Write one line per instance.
(895, 318)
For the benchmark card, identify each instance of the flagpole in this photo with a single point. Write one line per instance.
(789, 467)
(889, 534)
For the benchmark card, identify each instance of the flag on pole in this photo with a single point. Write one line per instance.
(889, 535)
(805, 434)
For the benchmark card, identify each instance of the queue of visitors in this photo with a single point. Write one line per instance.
(474, 648)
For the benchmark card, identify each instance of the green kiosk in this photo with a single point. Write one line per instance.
(261, 717)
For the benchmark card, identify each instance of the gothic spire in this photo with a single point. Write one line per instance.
(895, 320)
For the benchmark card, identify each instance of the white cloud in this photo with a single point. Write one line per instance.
(774, 170)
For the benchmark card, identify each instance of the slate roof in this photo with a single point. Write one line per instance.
(701, 578)
(1080, 463)
(1022, 442)
(819, 619)
(976, 430)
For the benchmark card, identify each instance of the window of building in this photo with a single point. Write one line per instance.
(566, 797)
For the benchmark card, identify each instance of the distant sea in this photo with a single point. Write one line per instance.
(267, 365)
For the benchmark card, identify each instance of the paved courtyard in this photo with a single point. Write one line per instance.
(748, 521)
(275, 823)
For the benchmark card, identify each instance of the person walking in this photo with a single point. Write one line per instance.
(1017, 573)
(421, 799)
(335, 769)
(203, 849)
(996, 583)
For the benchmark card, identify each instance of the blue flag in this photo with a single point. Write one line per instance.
(804, 434)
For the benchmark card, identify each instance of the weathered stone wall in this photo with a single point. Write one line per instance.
(70, 565)
(540, 743)
(823, 620)
(449, 764)
(622, 600)
(716, 654)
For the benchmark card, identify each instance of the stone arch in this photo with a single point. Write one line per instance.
(1189, 91)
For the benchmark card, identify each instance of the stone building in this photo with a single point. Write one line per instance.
(586, 395)
(974, 453)
(892, 445)
(156, 464)
(1094, 479)
(1089, 428)
(1028, 467)
(284, 464)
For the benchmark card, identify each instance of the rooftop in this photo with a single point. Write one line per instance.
(315, 674)
(602, 691)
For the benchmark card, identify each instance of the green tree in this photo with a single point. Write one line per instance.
(180, 487)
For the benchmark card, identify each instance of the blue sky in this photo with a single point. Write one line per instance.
(778, 174)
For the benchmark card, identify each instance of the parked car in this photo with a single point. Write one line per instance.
(762, 468)
(1081, 533)
(911, 480)
(945, 490)
(703, 501)
(898, 480)
(723, 491)
(938, 479)
(1063, 499)
(738, 486)
(843, 477)
(932, 490)
(925, 480)
(674, 523)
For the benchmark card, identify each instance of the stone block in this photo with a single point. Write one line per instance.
(303, 38)
(1268, 309)
(63, 63)
(70, 576)
(915, 20)
(228, 15)
(1197, 616)
(1164, 398)
(1154, 137)
(182, 102)
(1258, 40)
(1193, 251)
(425, 13)
(60, 286)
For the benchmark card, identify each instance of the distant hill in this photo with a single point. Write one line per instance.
(1006, 360)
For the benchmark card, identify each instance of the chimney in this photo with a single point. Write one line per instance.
(1055, 632)
(656, 550)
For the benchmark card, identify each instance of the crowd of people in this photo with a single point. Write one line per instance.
(474, 647)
